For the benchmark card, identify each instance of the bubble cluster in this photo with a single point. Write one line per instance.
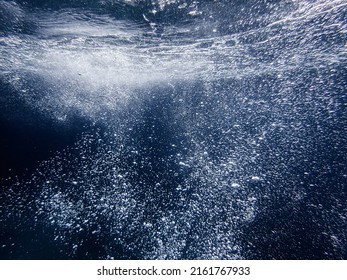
(209, 134)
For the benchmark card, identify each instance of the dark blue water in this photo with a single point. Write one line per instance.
(173, 129)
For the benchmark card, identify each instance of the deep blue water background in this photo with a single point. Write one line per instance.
(243, 157)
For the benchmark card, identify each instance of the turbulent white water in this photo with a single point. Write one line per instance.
(199, 126)
(91, 61)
